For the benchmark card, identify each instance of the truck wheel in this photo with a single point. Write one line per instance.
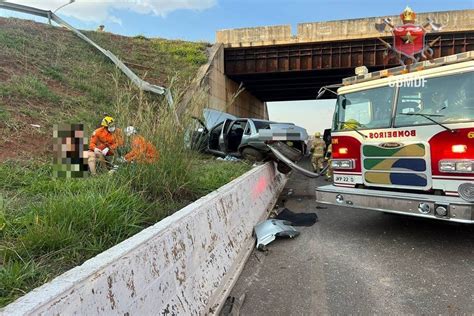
(283, 168)
(251, 154)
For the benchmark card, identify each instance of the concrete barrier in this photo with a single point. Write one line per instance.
(183, 265)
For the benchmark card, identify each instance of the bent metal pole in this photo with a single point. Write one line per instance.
(141, 84)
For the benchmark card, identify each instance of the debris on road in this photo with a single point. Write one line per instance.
(297, 219)
(268, 230)
(232, 306)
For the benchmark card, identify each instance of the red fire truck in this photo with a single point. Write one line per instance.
(403, 141)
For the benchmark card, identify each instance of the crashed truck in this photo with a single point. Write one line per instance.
(403, 141)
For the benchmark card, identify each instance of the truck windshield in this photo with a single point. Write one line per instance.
(364, 109)
(448, 99)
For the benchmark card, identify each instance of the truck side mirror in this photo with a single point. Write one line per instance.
(321, 92)
(344, 103)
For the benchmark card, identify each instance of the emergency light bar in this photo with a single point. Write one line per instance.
(427, 64)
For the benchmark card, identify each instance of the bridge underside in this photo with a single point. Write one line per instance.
(297, 71)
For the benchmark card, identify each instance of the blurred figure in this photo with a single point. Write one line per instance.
(103, 143)
(142, 151)
(101, 28)
(318, 152)
(70, 160)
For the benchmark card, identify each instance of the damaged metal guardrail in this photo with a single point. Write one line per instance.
(294, 166)
(141, 84)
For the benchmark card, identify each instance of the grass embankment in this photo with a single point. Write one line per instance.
(48, 76)
(48, 226)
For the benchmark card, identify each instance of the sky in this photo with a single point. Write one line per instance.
(198, 20)
(314, 115)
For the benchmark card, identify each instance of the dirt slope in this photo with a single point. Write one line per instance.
(48, 76)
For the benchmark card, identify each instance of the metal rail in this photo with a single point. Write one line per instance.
(141, 84)
(296, 71)
(333, 55)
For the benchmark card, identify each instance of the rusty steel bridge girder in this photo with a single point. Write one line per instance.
(297, 71)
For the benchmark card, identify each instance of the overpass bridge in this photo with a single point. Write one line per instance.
(297, 71)
(272, 64)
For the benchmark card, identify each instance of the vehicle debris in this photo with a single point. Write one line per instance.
(232, 306)
(228, 158)
(297, 219)
(292, 165)
(270, 229)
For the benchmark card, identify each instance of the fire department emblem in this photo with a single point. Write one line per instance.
(409, 39)
(409, 44)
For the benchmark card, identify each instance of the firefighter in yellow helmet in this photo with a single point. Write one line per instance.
(104, 143)
(318, 152)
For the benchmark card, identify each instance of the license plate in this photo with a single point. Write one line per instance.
(344, 179)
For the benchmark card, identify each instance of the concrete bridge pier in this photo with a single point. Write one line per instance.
(228, 95)
(224, 94)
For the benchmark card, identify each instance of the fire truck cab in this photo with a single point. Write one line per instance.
(403, 141)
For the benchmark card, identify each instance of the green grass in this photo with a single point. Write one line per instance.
(188, 52)
(54, 72)
(4, 114)
(214, 174)
(53, 67)
(50, 225)
(28, 87)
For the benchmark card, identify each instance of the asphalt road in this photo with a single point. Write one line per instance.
(360, 262)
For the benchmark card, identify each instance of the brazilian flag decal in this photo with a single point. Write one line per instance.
(413, 150)
(395, 164)
(394, 178)
(401, 166)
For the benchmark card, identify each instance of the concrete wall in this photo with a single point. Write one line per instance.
(219, 92)
(183, 265)
(223, 91)
(452, 21)
(255, 36)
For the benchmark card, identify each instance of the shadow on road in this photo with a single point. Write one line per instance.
(360, 262)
